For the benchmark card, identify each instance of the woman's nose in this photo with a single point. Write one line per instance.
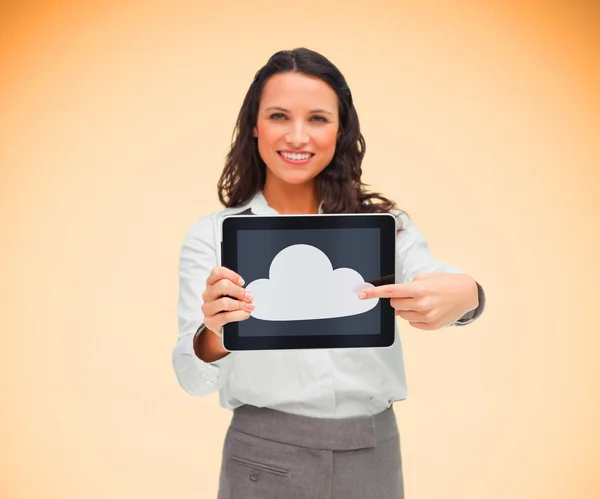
(297, 136)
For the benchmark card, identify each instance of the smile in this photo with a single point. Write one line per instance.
(296, 159)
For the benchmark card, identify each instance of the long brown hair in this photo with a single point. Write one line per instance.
(339, 185)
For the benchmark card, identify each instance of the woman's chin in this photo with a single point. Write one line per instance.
(297, 178)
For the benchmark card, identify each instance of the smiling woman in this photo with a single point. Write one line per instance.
(284, 139)
(298, 139)
(317, 422)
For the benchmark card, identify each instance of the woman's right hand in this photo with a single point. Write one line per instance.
(225, 300)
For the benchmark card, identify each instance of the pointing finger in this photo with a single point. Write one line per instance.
(388, 291)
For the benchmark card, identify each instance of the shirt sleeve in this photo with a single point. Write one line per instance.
(198, 257)
(414, 257)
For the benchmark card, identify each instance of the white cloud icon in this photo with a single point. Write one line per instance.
(303, 285)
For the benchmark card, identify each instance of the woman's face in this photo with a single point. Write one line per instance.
(297, 114)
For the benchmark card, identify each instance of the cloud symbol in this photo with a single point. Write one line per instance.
(302, 285)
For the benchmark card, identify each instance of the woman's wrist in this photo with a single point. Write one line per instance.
(208, 345)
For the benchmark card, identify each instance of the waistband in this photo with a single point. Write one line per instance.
(315, 433)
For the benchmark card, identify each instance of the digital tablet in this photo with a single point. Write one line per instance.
(305, 272)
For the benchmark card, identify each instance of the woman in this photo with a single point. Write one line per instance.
(306, 423)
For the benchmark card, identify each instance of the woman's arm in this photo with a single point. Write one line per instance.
(200, 363)
(413, 257)
(208, 346)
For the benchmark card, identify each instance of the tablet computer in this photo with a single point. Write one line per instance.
(305, 272)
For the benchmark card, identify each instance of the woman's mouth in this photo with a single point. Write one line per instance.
(296, 159)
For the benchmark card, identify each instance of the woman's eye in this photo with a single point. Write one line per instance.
(277, 116)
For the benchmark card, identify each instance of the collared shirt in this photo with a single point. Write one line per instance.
(328, 383)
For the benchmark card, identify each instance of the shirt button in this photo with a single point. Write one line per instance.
(254, 475)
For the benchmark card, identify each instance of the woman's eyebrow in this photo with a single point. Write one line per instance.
(288, 111)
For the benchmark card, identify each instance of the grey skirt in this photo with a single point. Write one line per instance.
(269, 454)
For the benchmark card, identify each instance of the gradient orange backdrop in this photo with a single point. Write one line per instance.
(482, 120)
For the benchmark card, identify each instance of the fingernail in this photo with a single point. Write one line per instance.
(248, 296)
(250, 306)
(241, 281)
(362, 295)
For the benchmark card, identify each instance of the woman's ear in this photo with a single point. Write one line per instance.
(254, 132)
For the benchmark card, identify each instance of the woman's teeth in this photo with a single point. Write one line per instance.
(295, 157)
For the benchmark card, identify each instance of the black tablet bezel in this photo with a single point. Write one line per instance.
(383, 221)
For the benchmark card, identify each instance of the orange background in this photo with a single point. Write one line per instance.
(482, 121)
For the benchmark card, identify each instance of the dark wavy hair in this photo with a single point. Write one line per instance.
(339, 185)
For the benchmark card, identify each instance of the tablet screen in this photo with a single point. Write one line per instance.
(305, 272)
(286, 257)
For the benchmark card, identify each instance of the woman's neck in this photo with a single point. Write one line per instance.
(287, 199)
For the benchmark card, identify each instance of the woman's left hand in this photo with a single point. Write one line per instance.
(430, 301)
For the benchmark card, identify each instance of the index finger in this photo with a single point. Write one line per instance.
(388, 291)
(219, 273)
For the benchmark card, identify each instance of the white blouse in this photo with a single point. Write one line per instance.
(329, 383)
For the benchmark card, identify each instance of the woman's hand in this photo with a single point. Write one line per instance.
(224, 299)
(430, 301)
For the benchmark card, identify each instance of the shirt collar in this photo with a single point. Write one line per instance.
(258, 205)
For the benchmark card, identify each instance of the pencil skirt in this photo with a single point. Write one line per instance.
(270, 454)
